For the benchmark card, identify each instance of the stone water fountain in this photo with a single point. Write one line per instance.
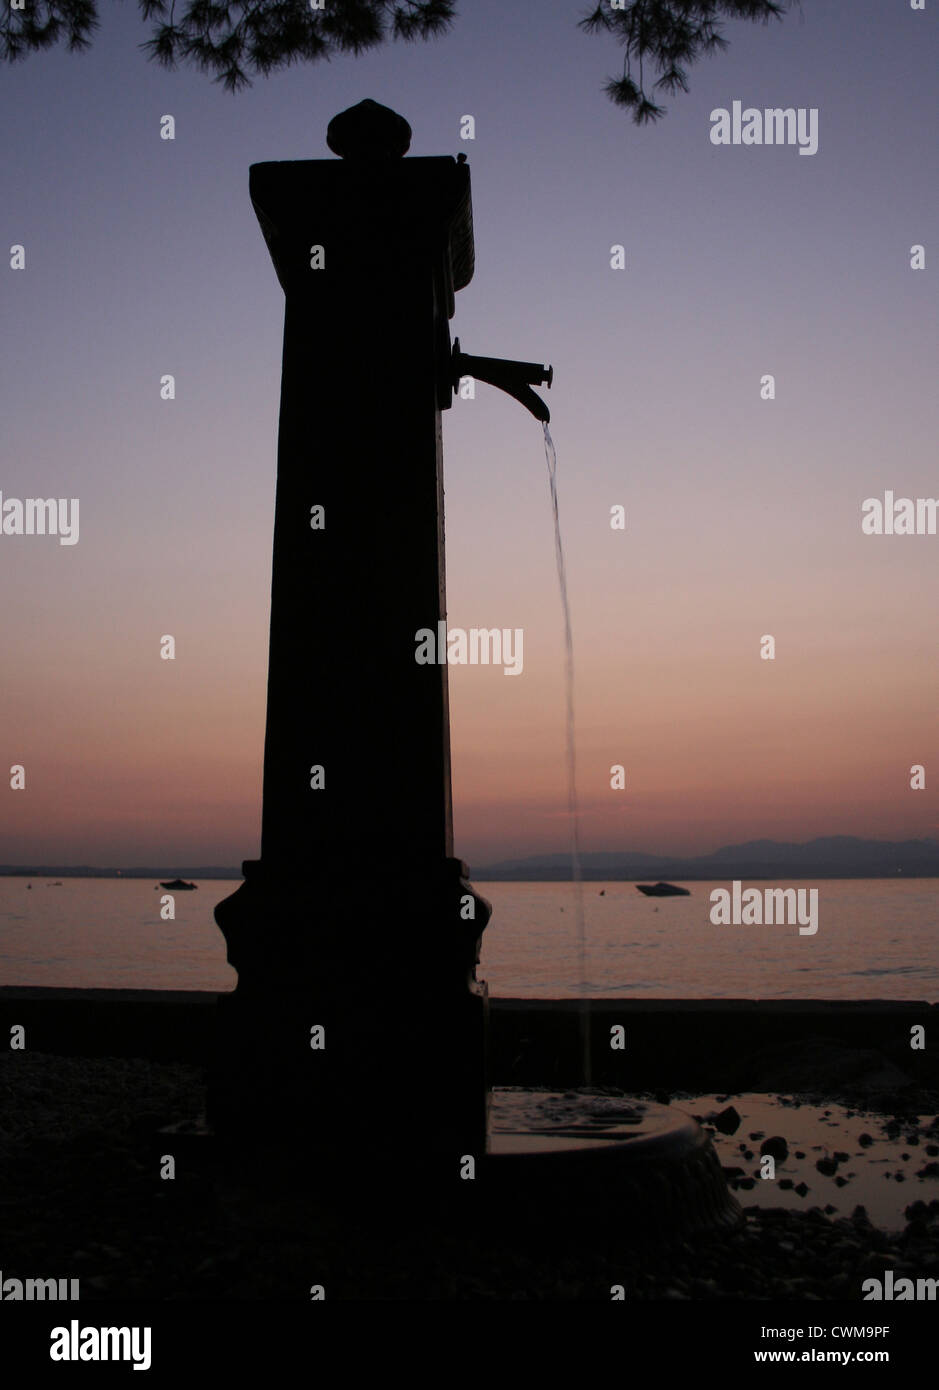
(358, 1025)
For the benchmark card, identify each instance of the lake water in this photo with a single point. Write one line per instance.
(876, 939)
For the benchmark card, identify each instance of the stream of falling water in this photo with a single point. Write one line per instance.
(573, 810)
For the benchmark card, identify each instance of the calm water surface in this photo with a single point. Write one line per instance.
(877, 938)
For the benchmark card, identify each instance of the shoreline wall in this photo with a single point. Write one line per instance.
(688, 1044)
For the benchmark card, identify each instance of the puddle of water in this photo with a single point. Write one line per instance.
(879, 1171)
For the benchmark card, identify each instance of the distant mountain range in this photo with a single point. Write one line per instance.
(834, 856)
(89, 871)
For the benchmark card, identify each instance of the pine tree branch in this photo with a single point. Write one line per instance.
(670, 35)
(237, 39)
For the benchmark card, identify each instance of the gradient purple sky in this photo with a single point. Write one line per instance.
(743, 516)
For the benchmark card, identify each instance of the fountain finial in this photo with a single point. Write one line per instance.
(369, 131)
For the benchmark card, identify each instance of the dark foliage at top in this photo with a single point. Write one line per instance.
(666, 36)
(235, 39)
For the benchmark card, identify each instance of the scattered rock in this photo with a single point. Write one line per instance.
(775, 1145)
(727, 1121)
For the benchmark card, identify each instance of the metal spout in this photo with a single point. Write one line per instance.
(509, 376)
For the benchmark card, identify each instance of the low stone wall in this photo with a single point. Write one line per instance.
(670, 1044)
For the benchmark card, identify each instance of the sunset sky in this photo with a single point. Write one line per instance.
(144, 257)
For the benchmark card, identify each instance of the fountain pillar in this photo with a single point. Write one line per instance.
(355, 935)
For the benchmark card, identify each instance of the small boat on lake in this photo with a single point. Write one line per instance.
(180, 885)
(663, 890)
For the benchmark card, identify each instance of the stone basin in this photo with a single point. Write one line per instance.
(640, 1168)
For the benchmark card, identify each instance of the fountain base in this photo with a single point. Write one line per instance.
(639, 1168)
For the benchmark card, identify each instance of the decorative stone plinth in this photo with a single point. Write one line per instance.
(334, 1023)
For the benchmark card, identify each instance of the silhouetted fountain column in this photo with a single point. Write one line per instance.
(357, 918)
